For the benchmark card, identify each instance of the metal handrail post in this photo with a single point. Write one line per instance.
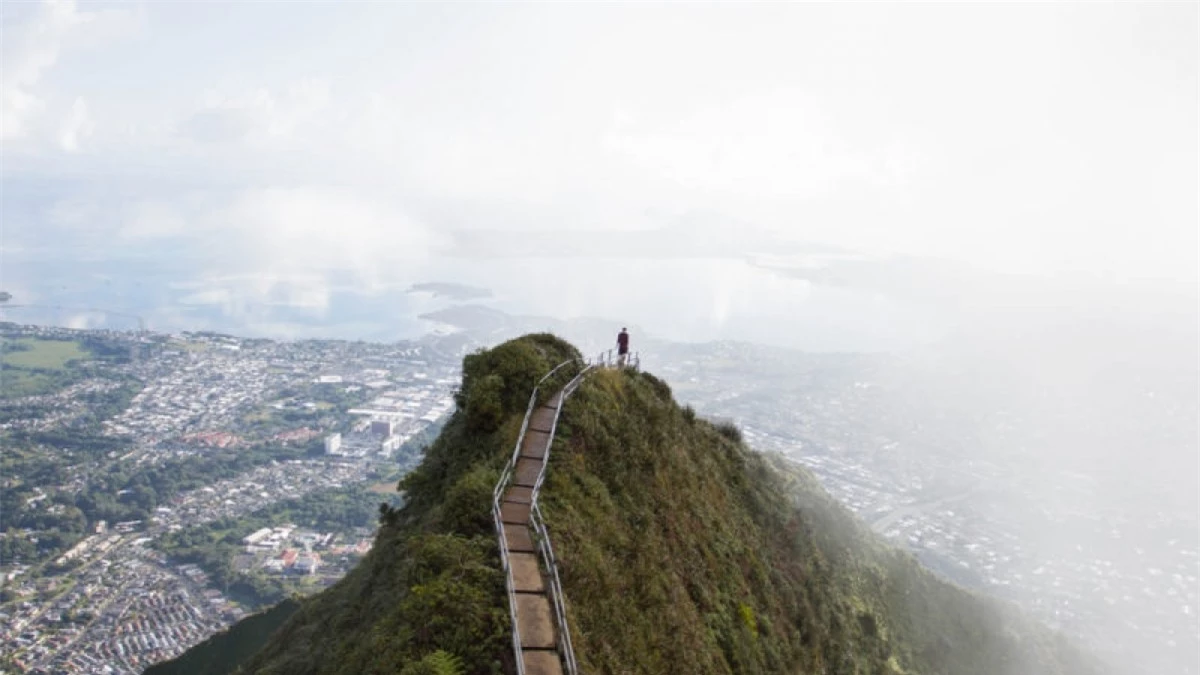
(506, 475)
(536, 521)
(544, 545)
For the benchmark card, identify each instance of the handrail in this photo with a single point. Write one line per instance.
(525, 423)
(504, 562)
(536, 521)
(565, 648)
(505, 477)
(608, 359)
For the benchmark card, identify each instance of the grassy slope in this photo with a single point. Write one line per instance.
(49, 354)
(28, 364)
(682, 552)
(433, 581)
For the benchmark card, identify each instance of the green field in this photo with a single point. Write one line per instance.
(35, 353)
(34, 366)
(15, 383)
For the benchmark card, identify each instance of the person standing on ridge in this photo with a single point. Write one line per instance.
(622, 347)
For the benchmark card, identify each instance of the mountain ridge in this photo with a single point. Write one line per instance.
(681, 551)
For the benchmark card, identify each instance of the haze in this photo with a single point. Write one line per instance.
(1010, 186)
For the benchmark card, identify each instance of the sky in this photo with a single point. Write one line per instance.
(827, 176)
(286, 145)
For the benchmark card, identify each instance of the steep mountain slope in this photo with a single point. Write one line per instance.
(686, 552)
(223, 652)
(682, 551)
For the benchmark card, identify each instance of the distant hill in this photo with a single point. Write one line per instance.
(682, 551)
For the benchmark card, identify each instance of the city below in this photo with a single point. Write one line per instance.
(117, 600)
(161, 487)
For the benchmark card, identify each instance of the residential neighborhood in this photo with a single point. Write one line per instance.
(212, 437)
(112, 601)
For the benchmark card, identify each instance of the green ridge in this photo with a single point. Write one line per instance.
(681, 550)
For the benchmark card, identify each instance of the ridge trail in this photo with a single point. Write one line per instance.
(541, 637)
(535, 624)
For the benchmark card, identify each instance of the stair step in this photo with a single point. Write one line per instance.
(519, 494)
(535, 443)
(535, 621)
(514, 512)
(542, 419)
(527, 574)
(541, 662)
(527, 471)
(518, 538)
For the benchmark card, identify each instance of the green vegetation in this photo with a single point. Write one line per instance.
(30, 366)
(681, 551)
(33, 366)
(132, 493)
(34, 460)
(49, 474)
(97, 407)
(34, 353)
(214, 546)
(685, 552)
(115, 492)
(432, 582)
(437, 663)
(328, 408)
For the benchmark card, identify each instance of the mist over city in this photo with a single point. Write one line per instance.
(942, 255)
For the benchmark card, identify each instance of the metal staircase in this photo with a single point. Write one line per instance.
(541, 637)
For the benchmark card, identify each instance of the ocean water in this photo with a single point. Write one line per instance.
(685, 299)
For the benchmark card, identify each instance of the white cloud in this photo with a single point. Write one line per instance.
(153, 220)
(18, 106)
(26, 56)
(33, 45)
(767, 144)
(74, 212)
(259, 116)
(77, 127)
(86, 320)
(788, 126)
(288, 246)
(322, 228)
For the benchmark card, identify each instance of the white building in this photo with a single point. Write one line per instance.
(333, 443)
(257, 536)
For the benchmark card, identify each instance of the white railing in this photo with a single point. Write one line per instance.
(612, 359)
(536, 522)
(545, 548)
(565, 650)
(497, 494)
